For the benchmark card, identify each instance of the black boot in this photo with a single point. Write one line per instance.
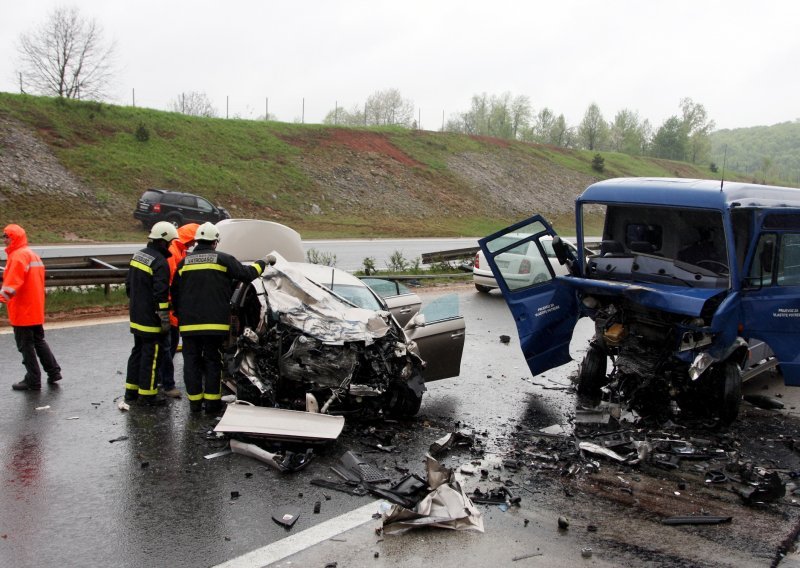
(26, 386)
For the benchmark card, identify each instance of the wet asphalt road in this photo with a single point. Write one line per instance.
(71, 496)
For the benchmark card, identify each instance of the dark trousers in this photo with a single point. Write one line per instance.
(202, 366)
(143, 364)
(31, 343)
(166, 370)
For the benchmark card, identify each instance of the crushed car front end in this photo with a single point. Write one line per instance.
(297, 344)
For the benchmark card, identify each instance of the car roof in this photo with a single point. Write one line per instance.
(678, 192)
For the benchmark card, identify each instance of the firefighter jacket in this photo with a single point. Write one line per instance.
(177, 250)
(23, 280)
(202, 288)
(147, 286)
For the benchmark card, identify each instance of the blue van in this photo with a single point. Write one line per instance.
(695, 287)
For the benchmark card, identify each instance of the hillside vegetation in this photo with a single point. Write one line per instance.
(763, 154)
(72, 170)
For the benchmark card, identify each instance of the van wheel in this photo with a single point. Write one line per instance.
(482, 289)
(592, 374)
(731, 391)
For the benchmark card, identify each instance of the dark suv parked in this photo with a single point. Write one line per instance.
(178, 208)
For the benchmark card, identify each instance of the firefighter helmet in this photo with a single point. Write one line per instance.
(163, 230)
(207, 232)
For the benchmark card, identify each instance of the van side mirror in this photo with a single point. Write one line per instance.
(562, 253)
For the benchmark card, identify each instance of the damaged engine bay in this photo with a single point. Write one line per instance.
(296, 344)
(654, 356)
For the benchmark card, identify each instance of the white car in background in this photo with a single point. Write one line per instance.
(521, 266)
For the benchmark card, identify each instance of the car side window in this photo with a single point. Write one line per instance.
(386, 288)
(442, 308)
(188, 201)
(204, 205)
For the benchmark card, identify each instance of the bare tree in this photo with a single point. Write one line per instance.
(389, 108)
(67, 57)
(193, 103)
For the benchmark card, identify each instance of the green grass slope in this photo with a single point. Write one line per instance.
(72, 170)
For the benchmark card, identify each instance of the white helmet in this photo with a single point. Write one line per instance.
(163, 230)
(207, 232)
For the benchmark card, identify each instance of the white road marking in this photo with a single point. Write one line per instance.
(303, 540)
(76, 323)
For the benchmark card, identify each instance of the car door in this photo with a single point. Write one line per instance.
(402, 302)
(440, 337)
(771, 297)
(544, 307)
(206, 211)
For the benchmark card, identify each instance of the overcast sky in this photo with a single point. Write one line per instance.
(739, 58)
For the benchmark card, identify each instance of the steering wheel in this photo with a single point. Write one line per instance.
(721, 267)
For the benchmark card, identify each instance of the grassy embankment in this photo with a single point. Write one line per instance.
(254, 169)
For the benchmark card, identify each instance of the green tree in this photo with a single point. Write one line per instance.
(593, 130)
(626, 133)
(698, 127)
(670, 140)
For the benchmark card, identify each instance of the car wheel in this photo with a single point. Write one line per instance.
(403, 401)
(731, 391)
(147, 225)
(483, 289)
(175, 219)
(592, 374)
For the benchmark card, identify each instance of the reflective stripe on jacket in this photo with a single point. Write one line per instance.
(147, 286)
(23, 280)
(202, 288)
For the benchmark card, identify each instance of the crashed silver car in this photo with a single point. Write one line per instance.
(314, 337)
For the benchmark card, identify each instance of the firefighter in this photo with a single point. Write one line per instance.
(147, 286)
(23, 293)
(177, 251)
(201, 293)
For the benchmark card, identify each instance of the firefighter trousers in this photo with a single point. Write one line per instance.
(202, 367)
(147, 352)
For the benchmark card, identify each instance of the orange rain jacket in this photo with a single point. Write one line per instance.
(178, 250)
(23, 281)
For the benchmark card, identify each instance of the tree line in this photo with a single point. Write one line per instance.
(67, 56)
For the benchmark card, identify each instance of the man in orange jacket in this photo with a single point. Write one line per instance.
(23, 293)
(177, 250)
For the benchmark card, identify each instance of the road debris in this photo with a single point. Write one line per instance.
(287, 518)
(763, 401)
(446, 506)
(287, 462)
(696, 520)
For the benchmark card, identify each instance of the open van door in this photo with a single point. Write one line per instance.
(771, 294)
(544, 308)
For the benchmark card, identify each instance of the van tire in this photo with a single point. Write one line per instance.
(483, 289)
(592, 374)
(731, 392)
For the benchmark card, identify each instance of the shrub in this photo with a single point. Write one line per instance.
(142, 134)
(397, 262)
(319, 257)
(598, 163)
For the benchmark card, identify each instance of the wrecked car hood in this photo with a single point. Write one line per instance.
(300, 303)
(676, 299)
